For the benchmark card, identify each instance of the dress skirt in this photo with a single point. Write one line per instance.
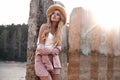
(40, 68)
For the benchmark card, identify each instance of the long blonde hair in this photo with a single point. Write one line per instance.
(58, 34)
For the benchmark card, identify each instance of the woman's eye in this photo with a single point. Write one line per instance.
(58, 14)
(53, 13)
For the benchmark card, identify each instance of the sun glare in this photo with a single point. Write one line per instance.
(106, 13)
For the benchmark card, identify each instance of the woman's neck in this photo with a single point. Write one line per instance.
(53, 28)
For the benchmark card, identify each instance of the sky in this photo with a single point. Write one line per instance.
(17, 11)
(105, 12)
(14, 11)
(70, 4)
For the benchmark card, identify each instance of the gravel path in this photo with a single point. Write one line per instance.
(11, 70)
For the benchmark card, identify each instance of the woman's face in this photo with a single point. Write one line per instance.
(55, 17)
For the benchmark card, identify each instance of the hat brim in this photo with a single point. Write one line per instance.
(56, 7)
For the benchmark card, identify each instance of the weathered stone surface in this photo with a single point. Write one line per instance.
(36, 18)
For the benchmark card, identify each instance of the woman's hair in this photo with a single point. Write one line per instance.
(58, 34)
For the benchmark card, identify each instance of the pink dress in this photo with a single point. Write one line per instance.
(40, 67)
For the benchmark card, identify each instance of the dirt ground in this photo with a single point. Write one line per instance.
(11, 70)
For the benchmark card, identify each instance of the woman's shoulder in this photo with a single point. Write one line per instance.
(44, 26)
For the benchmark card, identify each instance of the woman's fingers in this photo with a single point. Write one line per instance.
(55, 51)
(46, 51)
(41, 51)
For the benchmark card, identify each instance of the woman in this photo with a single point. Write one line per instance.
(47, 63)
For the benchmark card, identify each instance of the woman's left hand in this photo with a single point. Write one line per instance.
(55, 51)
(47, 51)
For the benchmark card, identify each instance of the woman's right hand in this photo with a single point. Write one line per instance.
(41, 51)
(44, 51)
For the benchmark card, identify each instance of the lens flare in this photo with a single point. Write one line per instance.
(106, 13)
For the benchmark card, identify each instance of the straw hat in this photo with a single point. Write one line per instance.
(56, 7)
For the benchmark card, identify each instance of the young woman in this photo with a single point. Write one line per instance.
(47, 63)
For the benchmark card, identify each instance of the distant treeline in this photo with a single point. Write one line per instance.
(13, 42)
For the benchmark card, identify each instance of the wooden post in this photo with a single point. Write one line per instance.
(64, 54)
(87, 23)
(101, 56)
(74, 44)
(116, 49)
(110, 56)
(95, 42)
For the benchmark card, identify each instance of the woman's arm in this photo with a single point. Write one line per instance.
(41, 41)
(41, 44)
(41, 49)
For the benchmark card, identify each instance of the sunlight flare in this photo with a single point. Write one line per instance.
(106, 13)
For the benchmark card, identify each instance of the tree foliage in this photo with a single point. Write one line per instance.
(13, 42)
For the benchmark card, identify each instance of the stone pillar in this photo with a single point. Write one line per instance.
(36, 18)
